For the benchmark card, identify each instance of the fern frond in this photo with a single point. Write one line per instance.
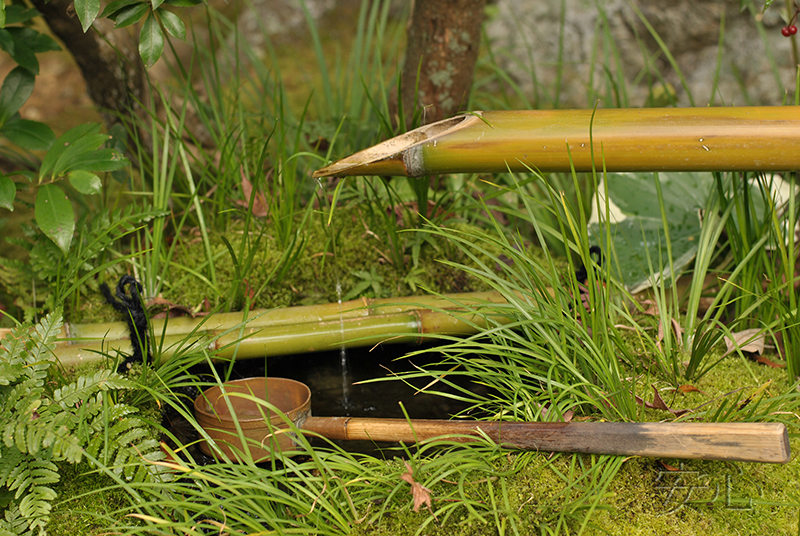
(44, 339)
(87, 386)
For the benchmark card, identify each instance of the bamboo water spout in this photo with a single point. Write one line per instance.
(286, 331)
(763, 138)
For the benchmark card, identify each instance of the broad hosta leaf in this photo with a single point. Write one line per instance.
(151, 41)
(87, 11)
(55, 216)
(17, 87)
(30, 135)
(8, 191)
(173, 24)
(85, 182)
(637, 230)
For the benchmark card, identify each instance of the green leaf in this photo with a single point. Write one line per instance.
(87, 11)
(130, 15)
(79, 149)
(183, 3)
(85, 182)
(7, 42)
(173, 24)
(17, 88)
(54, 215)
(17, 14)
(22, 44)
(151, 42)
(156, 4)
(30, 135)
(8, 191)
(2, 15)
(116, 6)
(637, 229)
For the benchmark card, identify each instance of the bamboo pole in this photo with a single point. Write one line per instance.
(286, 331)
(763, 138)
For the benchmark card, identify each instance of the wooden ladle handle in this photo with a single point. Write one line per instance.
(748, 442)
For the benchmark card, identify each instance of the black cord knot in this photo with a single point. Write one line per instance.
(129, 302)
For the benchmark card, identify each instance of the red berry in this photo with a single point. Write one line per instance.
(792, 29)
(785, 31)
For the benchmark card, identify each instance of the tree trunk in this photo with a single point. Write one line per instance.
(108, 58)
(443, 41)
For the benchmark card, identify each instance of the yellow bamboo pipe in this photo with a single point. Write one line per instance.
(286, 331)
(760, 138)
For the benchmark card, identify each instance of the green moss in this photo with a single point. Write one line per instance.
(642, 497)
(84, 503)
(327, 258)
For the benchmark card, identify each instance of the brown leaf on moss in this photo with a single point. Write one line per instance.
(658, 403)
(260, 207)
(748, 340)
(686, 388)
(768, 362)
(667, 466)
(420, 494)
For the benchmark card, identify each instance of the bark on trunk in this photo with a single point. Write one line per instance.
(108, 59)
(443, 41)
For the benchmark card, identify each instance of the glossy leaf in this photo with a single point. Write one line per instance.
(3, 15)
(183, 3)
(85, 182)
(130, 15)
(151, 41)
(116, 6)
(17, 88)
(54, 215)
(30, 135)
(173, 24)
(8, 191)
(87, 11)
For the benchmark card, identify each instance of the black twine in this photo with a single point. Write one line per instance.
(596, 257)
(129, 303)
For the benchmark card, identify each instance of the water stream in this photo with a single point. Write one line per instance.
(344, 362)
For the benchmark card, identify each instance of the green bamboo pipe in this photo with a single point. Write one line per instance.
(761, 138)
(293, 330)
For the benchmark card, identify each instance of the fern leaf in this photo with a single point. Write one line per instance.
(36, 505)
(86, 386)
(12, 458)
(46, 332)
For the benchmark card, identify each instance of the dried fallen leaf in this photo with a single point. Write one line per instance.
(658, 403)
(420, 494)
(168, 309)
(667, 466)
(768, 362)
(748, 340)
(756, 393)
(260, 208)
(686, 388)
